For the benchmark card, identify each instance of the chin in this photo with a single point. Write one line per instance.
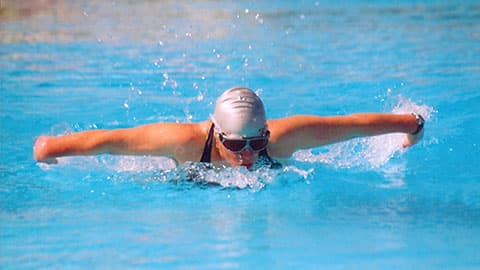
(245, 162)
(242, 164)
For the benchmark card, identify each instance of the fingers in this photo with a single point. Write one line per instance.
(40, 151)
(411, 139)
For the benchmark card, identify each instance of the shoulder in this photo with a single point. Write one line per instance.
(292, 133)
(185, 140)
(294, 122)
(181, 132)
(167, 135)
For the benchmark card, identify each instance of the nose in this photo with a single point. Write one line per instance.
(248, 154)
(247, 151)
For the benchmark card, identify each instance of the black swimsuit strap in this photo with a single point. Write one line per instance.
(207, 149)
(270, 161)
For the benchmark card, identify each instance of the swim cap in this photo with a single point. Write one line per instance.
(239, 113)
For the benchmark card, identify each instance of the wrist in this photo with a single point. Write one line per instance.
(420, 123)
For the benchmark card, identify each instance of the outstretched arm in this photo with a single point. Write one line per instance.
(304, 131)
(166, 139)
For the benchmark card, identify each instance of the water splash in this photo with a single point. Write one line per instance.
(226, 177)
(118, 164)
(146, 169)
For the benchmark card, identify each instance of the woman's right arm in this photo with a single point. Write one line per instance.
(163, 139)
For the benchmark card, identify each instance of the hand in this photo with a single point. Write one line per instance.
(411, 139)
(40, 150)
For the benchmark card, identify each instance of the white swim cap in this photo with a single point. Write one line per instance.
(239, 112)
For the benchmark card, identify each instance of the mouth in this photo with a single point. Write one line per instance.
(245, 160)
(247, 165)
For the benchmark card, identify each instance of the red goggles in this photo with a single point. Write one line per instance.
(257, 143)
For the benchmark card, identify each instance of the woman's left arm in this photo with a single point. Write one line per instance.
(306, 131)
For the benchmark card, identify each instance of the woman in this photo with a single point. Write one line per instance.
(238, 134)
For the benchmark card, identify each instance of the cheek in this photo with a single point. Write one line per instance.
(224, 153)
(230, 156)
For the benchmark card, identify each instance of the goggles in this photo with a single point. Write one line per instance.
(257, 143)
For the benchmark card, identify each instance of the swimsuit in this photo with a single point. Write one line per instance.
(263, 155)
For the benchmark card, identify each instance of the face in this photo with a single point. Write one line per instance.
(242, 152)
(245, 158)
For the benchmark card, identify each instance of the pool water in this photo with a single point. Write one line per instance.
(363, 204)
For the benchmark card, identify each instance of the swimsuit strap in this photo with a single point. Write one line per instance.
(270, 161)
(207, 150)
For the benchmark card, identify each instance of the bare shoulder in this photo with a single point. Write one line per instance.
(287, 124)
(181, 141)
(179, 134)
(193, 137)
(181, 131)
(292, 133)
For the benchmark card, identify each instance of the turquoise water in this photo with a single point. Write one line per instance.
(362, 204)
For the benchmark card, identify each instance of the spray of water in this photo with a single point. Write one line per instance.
(160, 169)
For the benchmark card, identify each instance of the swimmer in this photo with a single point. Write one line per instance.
(238, 134)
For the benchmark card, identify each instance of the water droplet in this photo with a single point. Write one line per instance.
(228, 67)
(247, 11)
(258, 18)
(174, 84)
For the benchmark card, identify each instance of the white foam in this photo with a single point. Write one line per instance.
(114, 163)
